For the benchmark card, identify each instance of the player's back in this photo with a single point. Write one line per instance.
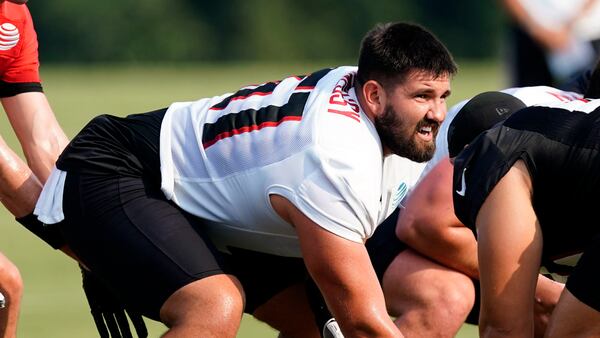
(560, 147)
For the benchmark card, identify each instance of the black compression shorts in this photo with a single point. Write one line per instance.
(120, 224)
(384, 245)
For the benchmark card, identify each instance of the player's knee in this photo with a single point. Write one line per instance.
(216, 295)
(454, 297)
(449, 297)
(10, 280)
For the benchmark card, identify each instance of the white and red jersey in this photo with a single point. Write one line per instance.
(304, 138)
(530, 96)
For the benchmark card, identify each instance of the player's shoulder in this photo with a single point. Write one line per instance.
(579, 105)
(535, 95)
(340, 123)
(14, 13)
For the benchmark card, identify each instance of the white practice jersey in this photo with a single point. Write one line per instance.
(530, 96)
(305, 138)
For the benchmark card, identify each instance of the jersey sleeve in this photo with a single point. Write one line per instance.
(477, 170)
(334, 207)
(343, 192)
(21, 69)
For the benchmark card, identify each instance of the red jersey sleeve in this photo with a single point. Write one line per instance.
(19, 63)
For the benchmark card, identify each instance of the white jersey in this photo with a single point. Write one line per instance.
(304, 138)
(530, 96)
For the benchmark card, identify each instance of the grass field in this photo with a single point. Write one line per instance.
(54, 305)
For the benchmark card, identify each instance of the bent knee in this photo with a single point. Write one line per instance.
(457, 295)
(220, 296)
(10, 279)
(414, 283)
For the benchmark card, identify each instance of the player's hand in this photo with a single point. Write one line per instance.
(109, 313)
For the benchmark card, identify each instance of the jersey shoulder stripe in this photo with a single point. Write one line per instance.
(244, 93)
(252, 119)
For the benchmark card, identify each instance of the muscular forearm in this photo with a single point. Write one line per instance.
(37, 129)
(343, 272)
(356, 300)
(19, 188)
(454, 246)
(366, 320)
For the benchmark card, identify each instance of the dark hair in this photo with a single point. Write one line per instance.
(389, 52)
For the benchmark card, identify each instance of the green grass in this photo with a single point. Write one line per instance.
(54, 305)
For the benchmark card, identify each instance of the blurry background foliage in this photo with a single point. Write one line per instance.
(128, 31)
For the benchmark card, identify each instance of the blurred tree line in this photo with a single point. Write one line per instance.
(250, 30)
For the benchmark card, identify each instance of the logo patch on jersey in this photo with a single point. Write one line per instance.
(9, 36)
(501, 111)
(340, 101)
(399, 195)
(463, 184)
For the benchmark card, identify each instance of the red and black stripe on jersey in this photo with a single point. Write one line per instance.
(256, 119)
(262, 90)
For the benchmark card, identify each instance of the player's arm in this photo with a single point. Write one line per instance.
(428, 224)
(510, 244)
(37, 129)
(552, 39)
(342, 270)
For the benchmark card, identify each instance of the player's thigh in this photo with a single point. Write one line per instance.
(573, 318)
(289, 312)
(578, 310)
(142, 245)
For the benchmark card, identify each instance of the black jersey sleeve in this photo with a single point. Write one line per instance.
(477, 169)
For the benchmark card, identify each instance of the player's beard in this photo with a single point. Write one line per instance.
(403, 141)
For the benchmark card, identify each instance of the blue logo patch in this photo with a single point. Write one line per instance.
(399, 194)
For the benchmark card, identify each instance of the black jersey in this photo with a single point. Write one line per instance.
(561, 149)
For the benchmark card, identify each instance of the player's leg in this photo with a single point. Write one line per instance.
(573, 318)
(577, 313)
(427, 299)
(289, 313)
(209, 307)
(275, 291)
(151, 254)
(11, 287)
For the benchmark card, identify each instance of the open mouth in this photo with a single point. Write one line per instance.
(426, 132)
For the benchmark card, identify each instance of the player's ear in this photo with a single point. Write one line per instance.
(374, 97)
